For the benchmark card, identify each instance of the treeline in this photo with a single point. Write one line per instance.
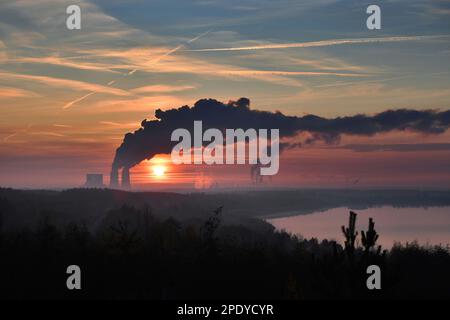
(134, 254)
(25, 207)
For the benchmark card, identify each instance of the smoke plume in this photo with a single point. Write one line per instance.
(154, 135)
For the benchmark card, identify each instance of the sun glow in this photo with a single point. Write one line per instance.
(159, 171)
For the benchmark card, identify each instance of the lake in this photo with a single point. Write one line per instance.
(424, 225)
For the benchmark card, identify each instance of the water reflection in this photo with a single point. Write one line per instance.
(427, 226)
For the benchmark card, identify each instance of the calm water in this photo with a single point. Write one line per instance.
(426, 226)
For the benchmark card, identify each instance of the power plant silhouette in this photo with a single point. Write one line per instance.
(114, 178)
(94, 180)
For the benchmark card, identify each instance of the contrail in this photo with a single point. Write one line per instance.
(339, 84)
(173, 50)
(48, 133)
(5, 139)
(71, 103)
(289, 73)
(156, 60)
(168, 53)
(323, 43)
(199, 36)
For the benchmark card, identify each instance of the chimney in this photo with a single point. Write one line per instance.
(114, 177)
(126, 178)
(94, 180)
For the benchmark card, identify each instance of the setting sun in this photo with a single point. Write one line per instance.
(159, 171)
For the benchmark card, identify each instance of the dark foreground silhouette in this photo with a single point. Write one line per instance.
(135, 255)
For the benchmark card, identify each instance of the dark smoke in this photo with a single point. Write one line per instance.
(154, 136)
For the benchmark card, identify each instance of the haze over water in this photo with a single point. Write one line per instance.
(424, 225)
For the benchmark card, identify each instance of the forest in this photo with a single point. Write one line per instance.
(134, 252)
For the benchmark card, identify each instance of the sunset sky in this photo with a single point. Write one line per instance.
(67, 97)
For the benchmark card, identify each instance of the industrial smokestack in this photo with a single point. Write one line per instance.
(114, 177)
(126, 184)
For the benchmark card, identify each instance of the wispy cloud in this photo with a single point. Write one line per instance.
(154, 61)
(64, 83)
(401, 147)
(323, 43)
(351, 83)
(161, 89)
(120, 124)
(3, 55)
(141, 105)
(173, 50)
(327, 63)
(64, 62)
(289, 73)
(47, 133)
(10, 92)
